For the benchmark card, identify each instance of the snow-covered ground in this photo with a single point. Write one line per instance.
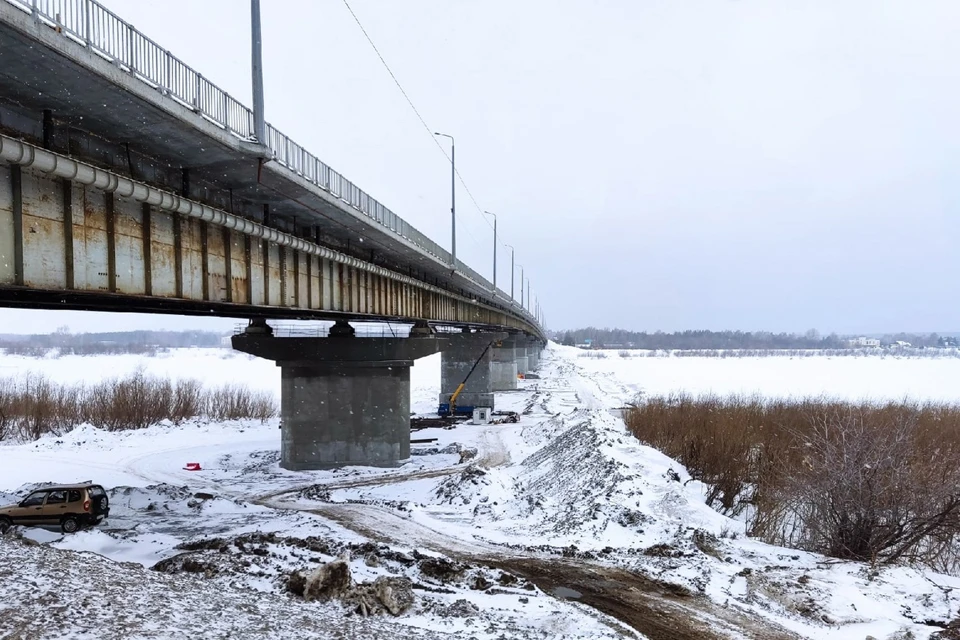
(853, 378)
(565, 500)
(212, 366)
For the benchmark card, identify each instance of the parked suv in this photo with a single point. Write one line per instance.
(70, 507)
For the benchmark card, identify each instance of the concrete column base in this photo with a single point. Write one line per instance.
(468, 360)
(344, 400)
(344, 414)
(533, 356)
(503, 366)
(522, 363)
(503, 375)
(466, 402)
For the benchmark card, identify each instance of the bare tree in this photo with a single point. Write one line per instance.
(869, 486)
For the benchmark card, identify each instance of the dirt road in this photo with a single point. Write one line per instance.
(654, 609)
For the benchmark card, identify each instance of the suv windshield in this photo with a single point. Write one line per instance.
(34, 499)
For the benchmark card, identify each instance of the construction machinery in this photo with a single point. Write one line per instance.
(451, 408)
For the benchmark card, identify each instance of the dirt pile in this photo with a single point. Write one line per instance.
(334, 581)
(329, 581)
(319, 569)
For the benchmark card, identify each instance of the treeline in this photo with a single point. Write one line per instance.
(703, 339)
(850, 352)
(137, 342)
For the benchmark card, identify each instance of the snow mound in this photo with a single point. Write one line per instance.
(124, 601)
(586, 482)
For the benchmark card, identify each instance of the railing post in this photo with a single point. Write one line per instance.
(196, 94)
(168, 63)
(226, 111)
(33, 10)
(87, 22)
(131, 50)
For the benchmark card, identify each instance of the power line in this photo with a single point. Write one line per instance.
(426, 127)
(395, 80)
(416, 111)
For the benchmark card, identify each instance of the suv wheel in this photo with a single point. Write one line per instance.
(70, 525)
(5, 524)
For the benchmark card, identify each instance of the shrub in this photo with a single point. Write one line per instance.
(132, 402)
(233, 402)
(33, 405)
(188, 400)
(875, 482)
(875, 485)
(42, 406)
(600, 355)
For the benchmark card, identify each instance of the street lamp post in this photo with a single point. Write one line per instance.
(453, 197)
(511, 269)
(259, 126)
(521, 285)
(494, 250)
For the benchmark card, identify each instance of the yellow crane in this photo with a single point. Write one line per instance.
(452, 410)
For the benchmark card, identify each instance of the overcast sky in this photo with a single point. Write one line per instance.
(657, 165)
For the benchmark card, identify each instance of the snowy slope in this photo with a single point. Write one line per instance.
(565, 499)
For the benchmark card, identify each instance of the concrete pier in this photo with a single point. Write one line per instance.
(503, 365)
(520, 356)
(470, 352)
(533, 355)
(344, 400)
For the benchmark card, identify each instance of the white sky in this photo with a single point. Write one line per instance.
(657, 164)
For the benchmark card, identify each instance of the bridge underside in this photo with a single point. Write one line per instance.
(67, 245)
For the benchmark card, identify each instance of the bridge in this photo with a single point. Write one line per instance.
(129, 182)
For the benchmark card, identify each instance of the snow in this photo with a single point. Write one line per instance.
(855, 378)
(213, 366)
(565, 488)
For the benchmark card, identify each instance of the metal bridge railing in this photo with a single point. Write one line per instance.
(92, 25)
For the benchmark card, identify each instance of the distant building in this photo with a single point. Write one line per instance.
(865, 342)
(901, 343)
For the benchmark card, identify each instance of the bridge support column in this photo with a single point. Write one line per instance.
(520, 355)
(467, 360)
(344, 400)
(503, 365)
(533, 355)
